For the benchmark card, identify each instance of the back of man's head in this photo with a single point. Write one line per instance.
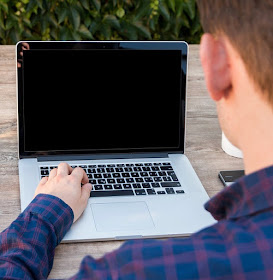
(248, 24)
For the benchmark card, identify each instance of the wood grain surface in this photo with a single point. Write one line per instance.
(203, 148)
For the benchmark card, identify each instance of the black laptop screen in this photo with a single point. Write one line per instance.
(101, 100)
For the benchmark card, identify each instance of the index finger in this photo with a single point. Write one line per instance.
(64, 169)
(80, 174)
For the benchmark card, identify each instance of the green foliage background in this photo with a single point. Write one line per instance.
(99, 20)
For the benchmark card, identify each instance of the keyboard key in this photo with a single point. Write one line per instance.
(139, 164)
(92, 166)
(151, 191)
(152, 173)
(98, 187)
(157, 179)
(161, 192)
(157, 163)
(139, 180)
(174, 178)
(97, 176)
(169, 190)
(134, 174)
(110, 169)
(180, 191)
(108, 187)
(146, 185)
(146, 168)
(100, 170)
(120, 165)
(140, 192)
(129, 164)
(83, 166)
(101, 181)
(111, 165)
(111, 193)
(44, 167)
(128, 169)
(148, 164)
(111, 181)
(172, 174)
(170, 184)
(144, 174)
(90, 176)
(167, 179)
(165, 168)
(125, 175)
(116, 175)
(117, 187)
(166, 163)
(119, 169)
(101, 165)
(148, 179)
(130, 180)
(107, 175)
(91, 170)
(92, 181)
(137, 169)
(136, 186)
(155, 185)
(120, 180)
(127, 186)
(44, 172)
(155, 168)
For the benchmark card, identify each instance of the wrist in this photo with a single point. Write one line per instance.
(55, 211)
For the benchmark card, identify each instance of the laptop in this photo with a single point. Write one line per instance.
(117, 109)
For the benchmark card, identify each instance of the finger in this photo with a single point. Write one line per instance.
(64, 169)
(52, 174)
(80, 174)
(86, 189)
(41, 184)
(26, 45)
(43, 181)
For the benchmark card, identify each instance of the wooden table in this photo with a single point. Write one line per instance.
(203, 148)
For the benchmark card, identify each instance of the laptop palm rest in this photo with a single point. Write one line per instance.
(122, 216)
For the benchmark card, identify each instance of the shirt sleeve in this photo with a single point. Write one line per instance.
(27, 246)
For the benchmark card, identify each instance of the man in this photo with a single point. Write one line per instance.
(236, 54)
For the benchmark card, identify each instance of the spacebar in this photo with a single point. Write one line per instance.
(111, 193)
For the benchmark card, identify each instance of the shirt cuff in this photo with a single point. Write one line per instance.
(54, 210)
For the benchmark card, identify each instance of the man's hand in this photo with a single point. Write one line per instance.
(65, 183)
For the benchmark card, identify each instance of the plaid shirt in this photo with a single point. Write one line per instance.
(239, 246)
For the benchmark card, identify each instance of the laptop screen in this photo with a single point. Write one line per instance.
(92, 100)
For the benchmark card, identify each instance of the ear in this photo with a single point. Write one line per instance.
(215, 62)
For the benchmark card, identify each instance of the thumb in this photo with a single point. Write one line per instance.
(40, 186)
(86, 189)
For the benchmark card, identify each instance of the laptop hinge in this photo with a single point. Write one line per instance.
(101, 156)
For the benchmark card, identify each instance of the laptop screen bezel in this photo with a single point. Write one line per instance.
(135, 45)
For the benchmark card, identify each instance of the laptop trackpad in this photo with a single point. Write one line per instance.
(121, 216)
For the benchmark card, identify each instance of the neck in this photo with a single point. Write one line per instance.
(257, 139)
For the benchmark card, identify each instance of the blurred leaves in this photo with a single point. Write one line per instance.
(99, 20)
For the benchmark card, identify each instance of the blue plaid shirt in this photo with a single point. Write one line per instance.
(239, 246)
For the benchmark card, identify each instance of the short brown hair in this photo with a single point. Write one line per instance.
(248, 24)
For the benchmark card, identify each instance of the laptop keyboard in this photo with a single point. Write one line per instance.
(153, 178)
